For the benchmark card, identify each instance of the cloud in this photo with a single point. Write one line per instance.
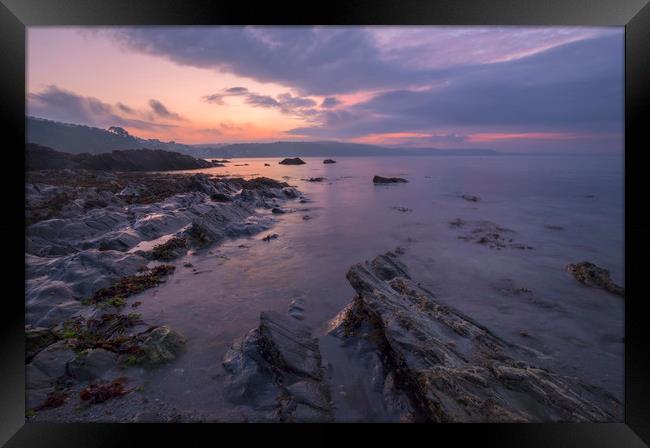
(124, 108)
(286, 103)
(334, 60)
(161, 110)
(66, 106)
(574, 87)
(330, 102)
(311, 60)
(218, 98)
(265, 101)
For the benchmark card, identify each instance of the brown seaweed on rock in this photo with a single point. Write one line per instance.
(170, 249)
(592, 275)
(451, 368)
(100, 392)
(132, 284)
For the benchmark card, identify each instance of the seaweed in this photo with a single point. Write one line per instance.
(101, 392)
(130, 285)
(169, 249)
(107, 332)
(54, 400)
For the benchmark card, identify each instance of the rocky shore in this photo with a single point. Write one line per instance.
(96, 239)
(432, 363)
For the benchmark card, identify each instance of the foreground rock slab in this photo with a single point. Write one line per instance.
(592, 275)
(276, 368)
(451, 368)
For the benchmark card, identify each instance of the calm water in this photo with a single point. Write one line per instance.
(580, 329)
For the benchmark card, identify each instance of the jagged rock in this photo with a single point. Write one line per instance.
(291, 193)
(162, 345)
(326, 161)
(297, 308)
(36, 339)
(277, 368)
(132, 189)
(220, 197)
(388, 180)
(592, 275)
(451, 368)
(277, 211)
(292, 161)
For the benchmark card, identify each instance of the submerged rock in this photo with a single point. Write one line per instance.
(451, 368)
(592, 275)
(292, 161)
(388, 180)
(470, 197)
(326, 161)
(48, 366)
(488, 234)
(92, 364)
(277, 369)
(403, 209)
(162, 345)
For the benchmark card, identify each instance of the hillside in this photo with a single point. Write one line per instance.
(43, 158)
(77, 139)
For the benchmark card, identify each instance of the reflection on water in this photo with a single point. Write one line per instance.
(568, 208)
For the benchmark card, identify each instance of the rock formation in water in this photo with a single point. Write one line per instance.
(292, 161)
(327, 161)
(451, 368)
(592, 275)
(276, 369)
(44, 158)
(388, 180)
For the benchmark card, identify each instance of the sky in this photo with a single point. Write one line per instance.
(532, 89)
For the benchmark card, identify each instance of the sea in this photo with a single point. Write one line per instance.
(561, 209)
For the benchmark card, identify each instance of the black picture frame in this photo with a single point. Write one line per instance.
(15, 15)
